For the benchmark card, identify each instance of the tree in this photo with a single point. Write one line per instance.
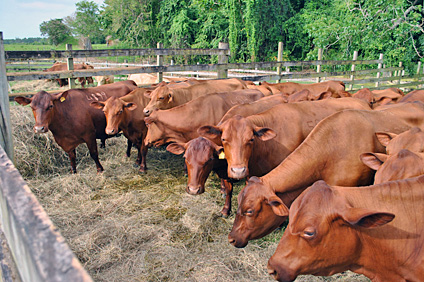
(56, 31)
(87, 21)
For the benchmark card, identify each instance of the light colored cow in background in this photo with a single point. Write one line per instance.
(148, 79)
(104, 79)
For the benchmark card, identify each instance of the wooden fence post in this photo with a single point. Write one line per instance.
(6, 140)
(380, 65)
(159, 62)
(319, 66)
(419, 67)
(279, 59)
(352, 77)
(70, 62)
(400, 73)
(223, 59)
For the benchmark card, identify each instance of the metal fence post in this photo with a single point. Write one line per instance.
(6, 140)
(70, 62)
(279, 59)
(159, 62)
(319, 66)
(352, 77)
(223, 59)
(379, 67)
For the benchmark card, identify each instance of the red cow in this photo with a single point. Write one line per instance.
(331, 153)
(180, 124)
(336, 88)
(70, 118)
(377, 231)
(249, 143)
(126, 114)
(164, 97)
(202, 155)
(64, 66)
(404, 164)
(379, 97)
(412, 140)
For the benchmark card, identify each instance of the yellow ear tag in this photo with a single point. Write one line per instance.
(221, 155)
(62, 99)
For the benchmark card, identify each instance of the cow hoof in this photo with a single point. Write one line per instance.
(136, 165)
(225, 213)
(142, 170)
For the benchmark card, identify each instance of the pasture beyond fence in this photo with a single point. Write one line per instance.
(34, 242)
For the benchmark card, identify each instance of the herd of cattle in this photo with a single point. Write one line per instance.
(309, 151)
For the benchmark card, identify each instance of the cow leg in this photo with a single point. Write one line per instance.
(129, 145)
(72, 157)
(228, 195)
(142, 152)
(103, 143)
(92, 147)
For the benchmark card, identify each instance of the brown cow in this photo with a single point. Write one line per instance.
(202, 155)
(64, 66)
(415, 95)
(412, 140)
(331, 153)
(377, 231)
(126, 114)
(404, 164)
(70, 118)
(180, 124)
(337, 88)
(248, 142)
(379, 97)
(164, 97)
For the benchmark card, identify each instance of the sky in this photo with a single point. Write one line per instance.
(22, 18)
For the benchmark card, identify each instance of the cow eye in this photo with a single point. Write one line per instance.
(309, 233)
(120, 112)
(50, 106)
(251, 140)
(161, 98)
(222, 139)
(249, 212)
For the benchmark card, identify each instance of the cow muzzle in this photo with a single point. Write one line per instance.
(147, 112)
(237, 172)
(195, 189)
(279, 274)
(111, 131)
(41, 129)
(237, 243)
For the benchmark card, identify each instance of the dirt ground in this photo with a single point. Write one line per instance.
(127, 226)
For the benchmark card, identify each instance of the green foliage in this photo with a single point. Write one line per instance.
(56, 30)
(87, 21)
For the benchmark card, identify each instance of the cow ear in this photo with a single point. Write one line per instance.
(278, 206)
(209, 131)
(97, 105)
(373, 160)
(264, 133)
(385, 137)
(148, 94)
(23, 100)
(366, 218)
(170, 97)
(130, 106)
(176, 148)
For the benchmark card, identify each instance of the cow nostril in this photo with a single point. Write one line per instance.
(231, 241)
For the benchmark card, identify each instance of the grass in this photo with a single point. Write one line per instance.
(127, 226)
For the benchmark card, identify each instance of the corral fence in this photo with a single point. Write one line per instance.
(33, 241)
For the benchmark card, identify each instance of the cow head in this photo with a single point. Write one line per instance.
(402, 165)
(322, 237)
(115, 111)
(42, 105)
(160, 99)
(259, 212)
(412, 139)
(200, 156)
(238, 136)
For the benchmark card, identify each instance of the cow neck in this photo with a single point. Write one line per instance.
(63, 114)
(402, 237)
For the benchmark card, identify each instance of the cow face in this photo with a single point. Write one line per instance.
(322, 237)
(115, 111)
(260, 211)
(42, 105)
(238, 137)
(160, 99)
(200, 156)
(405, 164)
